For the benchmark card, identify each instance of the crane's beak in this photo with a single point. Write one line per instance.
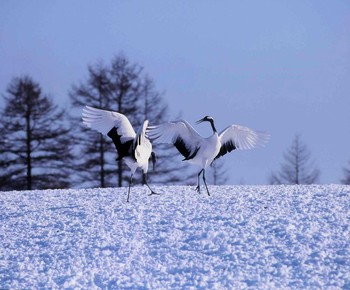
(200, 121)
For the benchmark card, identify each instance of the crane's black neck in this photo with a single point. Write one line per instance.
(212, 126)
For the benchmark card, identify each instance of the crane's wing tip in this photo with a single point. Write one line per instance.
(263, 139)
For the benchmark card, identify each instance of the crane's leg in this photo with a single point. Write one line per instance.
(198, 188)
(145, 181)
(130, 182)
(205, 182)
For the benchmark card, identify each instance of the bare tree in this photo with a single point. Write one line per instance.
(297, 168)
(346, 179)
(36, 147)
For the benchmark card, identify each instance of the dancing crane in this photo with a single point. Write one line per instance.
(203, 151)
(134, 148)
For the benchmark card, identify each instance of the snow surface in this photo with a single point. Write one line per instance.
(255, 237)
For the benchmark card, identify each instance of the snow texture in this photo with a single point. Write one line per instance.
(240, 237)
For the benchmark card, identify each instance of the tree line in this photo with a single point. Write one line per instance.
(44, 146)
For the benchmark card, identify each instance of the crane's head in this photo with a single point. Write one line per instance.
(206, 118)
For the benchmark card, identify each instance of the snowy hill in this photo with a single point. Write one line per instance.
(257, 237)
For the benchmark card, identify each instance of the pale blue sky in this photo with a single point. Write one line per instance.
(277, 66)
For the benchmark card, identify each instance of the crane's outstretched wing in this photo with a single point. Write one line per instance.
(180, 133)
(239, 137)
(104, 121)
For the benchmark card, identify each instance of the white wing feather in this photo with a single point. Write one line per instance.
(103, 121)
(243, 137)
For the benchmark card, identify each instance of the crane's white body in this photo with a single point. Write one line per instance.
(209, 148)
(134, 148)
(143, 150)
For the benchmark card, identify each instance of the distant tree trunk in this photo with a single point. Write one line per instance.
(28, 153)
(120, 162)
(102, 162)
(120, 173)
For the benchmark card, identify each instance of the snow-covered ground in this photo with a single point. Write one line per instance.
(257, 237)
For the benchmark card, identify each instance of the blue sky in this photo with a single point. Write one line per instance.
(276, 66)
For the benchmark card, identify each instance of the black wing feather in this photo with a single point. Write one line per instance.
(183, 149)
(122, 148)
(226, 148)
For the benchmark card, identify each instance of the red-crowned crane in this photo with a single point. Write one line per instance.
(134, 148)
(203, 151)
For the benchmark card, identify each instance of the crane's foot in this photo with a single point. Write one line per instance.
(198, 189)
(153, 193)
